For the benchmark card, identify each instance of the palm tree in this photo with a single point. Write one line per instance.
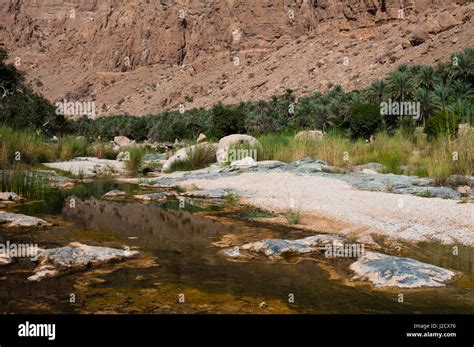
(464, 110)
(443, 95)
(322, 117)
(426, 77)
(376, 92)
(347, 103)
(428, 104)
(402, 68)
(400, 85)
(462, 66)
(461, 89)
(335, 91)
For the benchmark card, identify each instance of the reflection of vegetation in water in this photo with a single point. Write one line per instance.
(455, 257)
(28, 184)
(190, 206)
(52, 200)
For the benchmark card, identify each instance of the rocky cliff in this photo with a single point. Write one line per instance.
(141, 57)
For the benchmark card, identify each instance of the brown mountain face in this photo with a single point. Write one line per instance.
(142, 57)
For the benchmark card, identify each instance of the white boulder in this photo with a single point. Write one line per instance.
(226, 142)
(246, 162)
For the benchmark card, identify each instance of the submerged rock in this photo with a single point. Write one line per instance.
(276, 248)
(115, 194)
(21, 220)
(385, 271)
(75, 256)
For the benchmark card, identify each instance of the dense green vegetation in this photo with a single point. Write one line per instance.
(20, 107)
(446, 88)
(445, 94)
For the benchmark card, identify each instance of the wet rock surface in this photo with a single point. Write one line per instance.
(385, 271)
(274, 249)
(115, 194)
(75, 256)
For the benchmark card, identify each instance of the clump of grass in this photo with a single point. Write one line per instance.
(197, 157)
(437, 158)
(104, 151)
(232, 198)
(22, 146)
(426, 194)
(134, 159)
(391, 151)
(292, 216)
(255, 213)
(201, 156)
(70, 147)
(180, 165)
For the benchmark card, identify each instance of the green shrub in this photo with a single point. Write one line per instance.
(23, 147)
(365, 121)
(104, 151)
(226, 120)
(201, 156)
(180, 165)
(134, 159)
(70, 147)
(292, 216)
(441, 124)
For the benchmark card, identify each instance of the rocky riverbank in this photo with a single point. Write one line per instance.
(358, 204)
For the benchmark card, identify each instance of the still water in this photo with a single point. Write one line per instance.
(180, 269)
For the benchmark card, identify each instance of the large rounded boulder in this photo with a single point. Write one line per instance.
(231, 140)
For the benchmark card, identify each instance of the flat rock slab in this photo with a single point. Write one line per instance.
(75, 256)
(276, 248)
(89, 166)
(21, 220)
(385, 271)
